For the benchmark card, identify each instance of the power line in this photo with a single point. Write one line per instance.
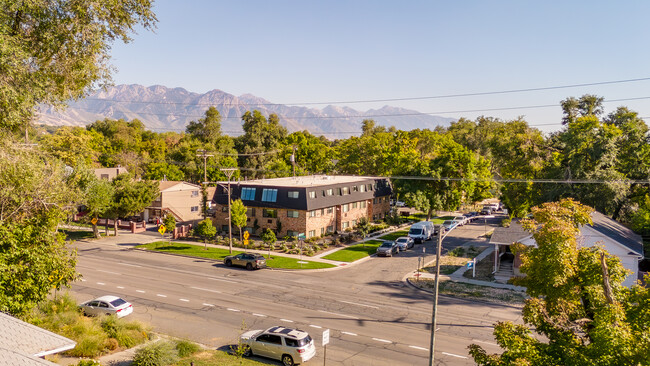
(443, 96)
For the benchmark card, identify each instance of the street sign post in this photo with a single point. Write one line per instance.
(326, 340)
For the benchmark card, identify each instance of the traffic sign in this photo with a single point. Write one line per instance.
(470, 264)
(245, 241)
(326, 337)
(301, 236)
(246, 236)
(162, 229)
(94, 221)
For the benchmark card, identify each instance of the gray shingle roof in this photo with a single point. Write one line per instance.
(19, 338)
(508, 235)
(618, 232)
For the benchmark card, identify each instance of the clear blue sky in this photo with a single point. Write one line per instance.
(319, 51)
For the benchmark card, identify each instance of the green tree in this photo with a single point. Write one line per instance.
(170, 222)
(54, 51)
(260, 143)
(238, 215)
(37, 194)
(98, 200)
(131, 197)
(586, 105)
(577, 301)
(312, 154)
(207, 129)
(268, 237)
(206, 229)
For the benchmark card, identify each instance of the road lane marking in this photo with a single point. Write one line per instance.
(109, 272)
(101, 283)
(140, 291)
(161, 295)
(206, 289)
(286, 320)
(260, 315)
(82, 280)
(484, 342)
(129, 264)
(381, 340)
(420, 348)
(453, 355)
(350, 334)
(222, 280)
(185, 300)
(206, 304)
(120, 287)
(337, 314)
(230, 309)
(356, 303)
(315, 326)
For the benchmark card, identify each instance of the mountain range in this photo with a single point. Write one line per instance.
(163, 109)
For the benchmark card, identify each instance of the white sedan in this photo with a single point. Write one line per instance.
(107, 305)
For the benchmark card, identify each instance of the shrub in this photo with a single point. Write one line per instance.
(88, 362)
(456, 252)
(111, 344)
(159, 353)
(284, 247)
(186, 348)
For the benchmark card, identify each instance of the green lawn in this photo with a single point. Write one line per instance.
(355, 252)
(394, 235)
(191, 250)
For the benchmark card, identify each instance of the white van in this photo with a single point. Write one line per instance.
(421, 231)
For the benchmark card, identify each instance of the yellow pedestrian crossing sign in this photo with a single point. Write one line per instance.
(162, 229)
(94, 221)
(246, 235)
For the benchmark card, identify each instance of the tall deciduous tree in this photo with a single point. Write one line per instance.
(578, 303)
(238, 215)
(131, 196)
(54, 51)
(260, 143)
(207, 129)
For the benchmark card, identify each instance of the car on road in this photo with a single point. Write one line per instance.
(387, 249)
(397, 203)
(462, 220)
(404, 243)
(471, 216)
(248, 260)
(449, 225)
(290, 346)
(106, 305)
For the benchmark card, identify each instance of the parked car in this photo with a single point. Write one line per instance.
(249, 260)
(449, 225)
(397, 203)
(421, 231)
(106, 305)
(487, 210)
(404, 243)
(471, 216)
(462, 220)
(387, 249)
(291, 346)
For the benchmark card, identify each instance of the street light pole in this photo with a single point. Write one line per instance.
(229, 172)
(205, 160)
(435, 297)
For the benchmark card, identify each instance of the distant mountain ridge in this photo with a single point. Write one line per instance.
(171, 109)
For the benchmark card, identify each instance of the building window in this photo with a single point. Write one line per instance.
(362, 188)
(269, 213)
(345, 190)
(354, 204)
(345, 225)
(224, 228)
(312, 213)
(322, 212)
(104, 176)
(338, 191)
(293, 194)
(354, 223)
(330, 229)
(248, 194)
(312, 194)
(250, 212)
(330, 210)
(292, 213)
(363, 204)
(355, 188)
(329, 191)
(291, 233)
(194, 209)
(312, 233)
(374, 200)
(346, 207)
(369, 187)
(322, 231)
(195, 193)
(269, 195)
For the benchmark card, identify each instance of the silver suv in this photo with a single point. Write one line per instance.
(291, 346)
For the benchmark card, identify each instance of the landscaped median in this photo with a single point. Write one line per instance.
(190, 250)
(355, 252)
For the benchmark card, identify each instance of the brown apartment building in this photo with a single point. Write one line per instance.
(313, 205)
(181, 199)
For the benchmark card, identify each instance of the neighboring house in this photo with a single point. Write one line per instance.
(313, 205)
(109, 173)
(614, 237)
(26, 344)
(181, 199)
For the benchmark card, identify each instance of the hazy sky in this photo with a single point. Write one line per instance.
(293, 52)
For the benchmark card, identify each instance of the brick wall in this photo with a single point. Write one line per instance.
(380, 207)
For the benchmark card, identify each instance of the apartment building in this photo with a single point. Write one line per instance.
(313, 205)
(181, 199)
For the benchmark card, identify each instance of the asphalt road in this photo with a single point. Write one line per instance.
(374, 317)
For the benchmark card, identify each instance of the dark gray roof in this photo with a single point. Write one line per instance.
(508, 235)
(22, 343)
(618, 232)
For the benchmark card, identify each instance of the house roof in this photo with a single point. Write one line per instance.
(22, 343)
(508, 235)
(618, 232)
(306, 181)
(165, 185)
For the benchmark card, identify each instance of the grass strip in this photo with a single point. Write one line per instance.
(355, 252)
(191, 250)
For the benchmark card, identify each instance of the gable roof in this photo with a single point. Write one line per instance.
(22, 343)
(167, 185)
(508, 235)
(617, 232)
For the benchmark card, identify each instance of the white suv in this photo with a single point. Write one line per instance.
(291, 346)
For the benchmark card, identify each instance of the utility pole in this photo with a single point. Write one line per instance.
(205, 159)
(435, 297)
(229, 172)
